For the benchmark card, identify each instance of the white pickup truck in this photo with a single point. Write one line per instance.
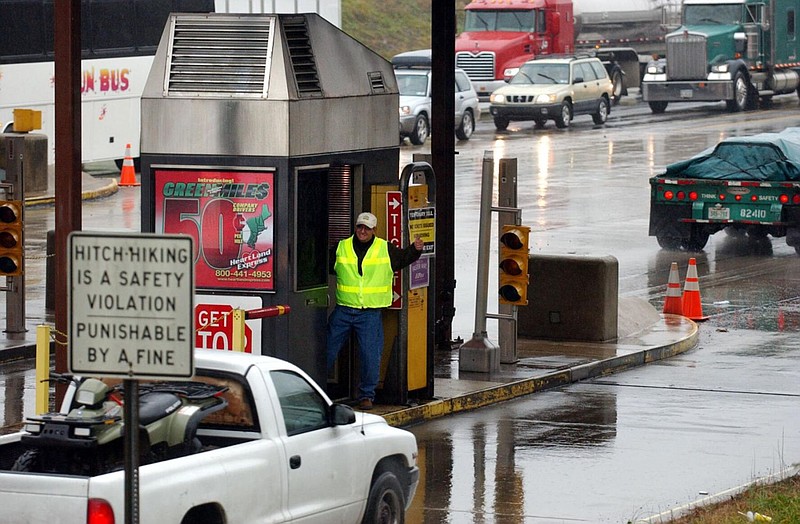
(280, 451)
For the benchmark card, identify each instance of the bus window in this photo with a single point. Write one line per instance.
(24, 39)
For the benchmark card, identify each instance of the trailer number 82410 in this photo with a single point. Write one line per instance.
(756, 214)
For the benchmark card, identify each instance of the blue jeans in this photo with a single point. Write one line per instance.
(368, 326)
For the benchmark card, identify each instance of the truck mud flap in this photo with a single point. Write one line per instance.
(667, 220)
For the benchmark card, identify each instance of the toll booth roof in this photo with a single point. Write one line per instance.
(265, 85)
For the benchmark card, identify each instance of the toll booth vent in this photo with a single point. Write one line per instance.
(340, 198)
(213, 56)
(376, 82)
(302, 56)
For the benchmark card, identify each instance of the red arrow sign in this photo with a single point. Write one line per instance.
(394, 235)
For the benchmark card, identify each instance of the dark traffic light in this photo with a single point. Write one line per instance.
(12, 251)
(513, 287)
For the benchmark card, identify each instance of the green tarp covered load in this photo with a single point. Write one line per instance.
(767, 157)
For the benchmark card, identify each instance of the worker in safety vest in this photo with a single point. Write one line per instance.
(364, 266)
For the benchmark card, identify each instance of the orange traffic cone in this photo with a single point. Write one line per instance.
(127, 176)
(692, 308)
(673, 302)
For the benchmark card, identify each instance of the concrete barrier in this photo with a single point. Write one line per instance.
(571, 297)
(35, 158)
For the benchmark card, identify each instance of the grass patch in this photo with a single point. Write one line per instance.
(781, 501)
(389, 27)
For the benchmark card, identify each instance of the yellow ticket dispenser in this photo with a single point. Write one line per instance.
(407, 212)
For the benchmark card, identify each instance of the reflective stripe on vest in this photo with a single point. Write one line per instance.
(374, 288)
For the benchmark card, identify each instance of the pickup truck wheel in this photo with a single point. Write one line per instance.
(563, 119)
(740, 94)
(698, 238)
(618, 86)
(501, 123)
(420, 133)
(658, 107)
(602, 112)
(668, 242)
(385, 504)
(467, 126)
(28, 461)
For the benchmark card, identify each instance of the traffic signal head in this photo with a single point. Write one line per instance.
(12, 252)
(513, 286)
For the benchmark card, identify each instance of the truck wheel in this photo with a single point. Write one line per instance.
(467, 126)
(698, 238)
(658, 107)
(501, 123)
(619, 86)
(28, 461)
(740, 94)
(563, 120)
(668, 242)
(385, 503)
(420, 133)
(602, 112)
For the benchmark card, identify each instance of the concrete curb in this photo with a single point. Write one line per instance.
(495, 394)
(89, 194)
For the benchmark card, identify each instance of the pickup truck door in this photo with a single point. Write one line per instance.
(327, 471)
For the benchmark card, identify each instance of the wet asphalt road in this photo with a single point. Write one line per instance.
(630, 445)
(647, 442)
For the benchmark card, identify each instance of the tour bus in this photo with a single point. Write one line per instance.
(118, 41)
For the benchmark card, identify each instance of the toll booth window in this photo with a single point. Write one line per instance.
(311, 235)
(303, 408)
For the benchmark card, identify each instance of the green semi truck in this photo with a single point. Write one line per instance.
(745, 185)
(739, 51)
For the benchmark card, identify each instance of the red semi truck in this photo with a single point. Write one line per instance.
(501, 35)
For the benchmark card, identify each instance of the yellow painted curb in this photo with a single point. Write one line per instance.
(493, 395)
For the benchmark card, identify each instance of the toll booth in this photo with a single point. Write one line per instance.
(263, 137)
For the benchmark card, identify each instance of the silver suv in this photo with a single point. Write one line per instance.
(554, 89)
(413, 73)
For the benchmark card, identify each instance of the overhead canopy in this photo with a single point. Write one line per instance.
(768, 157)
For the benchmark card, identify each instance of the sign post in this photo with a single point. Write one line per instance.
(131, 315)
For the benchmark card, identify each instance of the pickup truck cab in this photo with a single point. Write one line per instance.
(280, 451)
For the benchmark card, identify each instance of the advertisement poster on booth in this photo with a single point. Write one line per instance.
(230, 216)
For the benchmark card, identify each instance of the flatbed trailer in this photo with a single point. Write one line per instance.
(745, 185)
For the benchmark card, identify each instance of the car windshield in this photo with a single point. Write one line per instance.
(542, 74)
(715, 14)
(514, 21)
(412, 85)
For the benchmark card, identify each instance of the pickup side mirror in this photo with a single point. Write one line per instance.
(342, 415)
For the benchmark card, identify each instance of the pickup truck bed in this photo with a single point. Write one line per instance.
(281, 451)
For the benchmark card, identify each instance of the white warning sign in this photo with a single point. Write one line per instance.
(131, 310)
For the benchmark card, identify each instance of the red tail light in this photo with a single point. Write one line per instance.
(754, 198)
(784, 199)
(722, 197)
(681, 195)
(99, 511)
(669, 195)
(738, 197)
(692, 195)
(796, 199)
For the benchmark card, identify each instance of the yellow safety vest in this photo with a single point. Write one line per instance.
(373, 289)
